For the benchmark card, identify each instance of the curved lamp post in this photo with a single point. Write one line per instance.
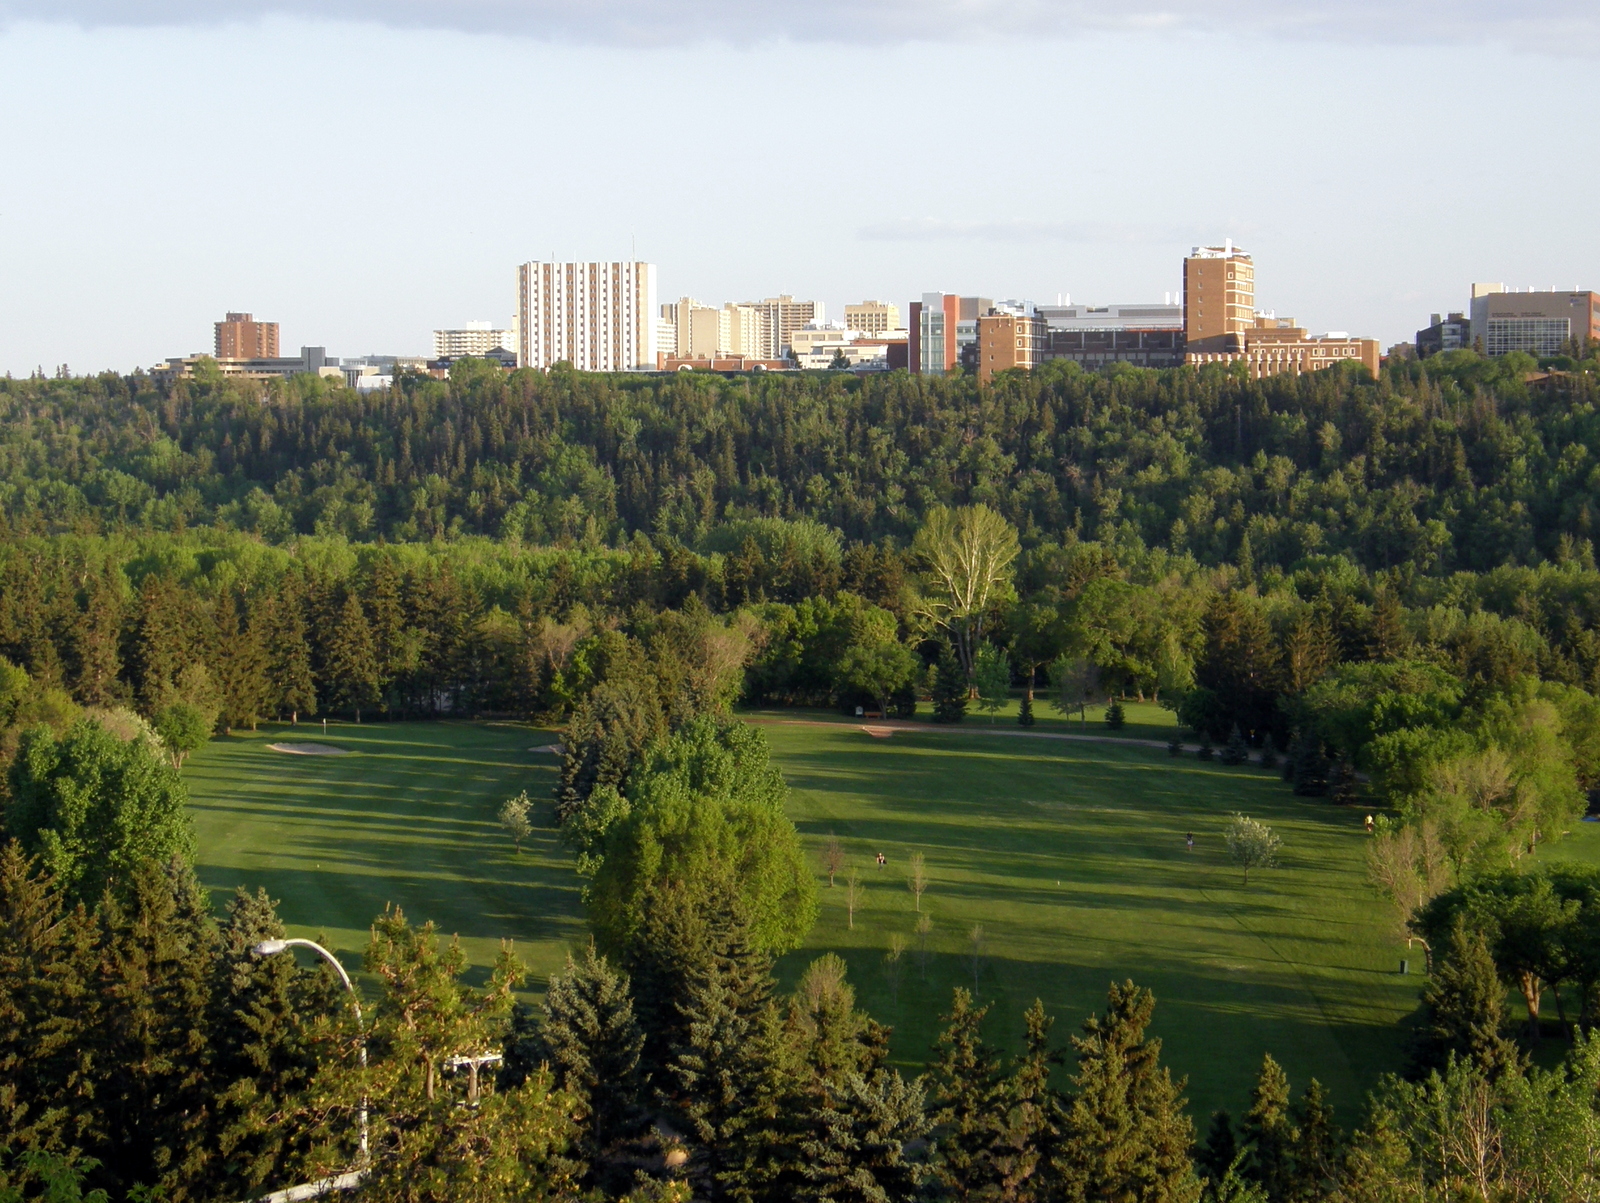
(268, 948)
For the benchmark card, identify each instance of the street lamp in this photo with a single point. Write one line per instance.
(270, 948)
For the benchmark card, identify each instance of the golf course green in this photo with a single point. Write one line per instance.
(1068, 852)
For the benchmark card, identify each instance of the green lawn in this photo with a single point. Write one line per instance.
(1071, 856)
(1069, 853)
(409, 818)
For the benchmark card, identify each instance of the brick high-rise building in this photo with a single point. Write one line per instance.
(1219, 298)
(240, 336)
(1009, 338)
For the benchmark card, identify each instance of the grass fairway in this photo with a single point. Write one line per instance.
(1069, 853)
(1071, 856)
(409, 818)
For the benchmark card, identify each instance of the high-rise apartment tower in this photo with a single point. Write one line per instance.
(1219, 298)
(872, 317)
(599, 317)
(240, 336)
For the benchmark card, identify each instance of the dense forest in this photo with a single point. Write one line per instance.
(1388, 586)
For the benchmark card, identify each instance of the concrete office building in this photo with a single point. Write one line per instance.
(1540, 323)
(1146, 335)
(314, 361)
(475, 338)
(1219, 298)
(872, 317)
(702, 332)
(941, 325)
(599, 317)
(1452, 333)
(240, 336)
(782, 315)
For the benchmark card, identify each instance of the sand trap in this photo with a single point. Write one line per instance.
(552, 749)
(880, 732)
(309, 749)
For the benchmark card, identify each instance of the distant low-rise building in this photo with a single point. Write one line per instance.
(1275, 346)
(721, 363)
(311, 360)
(1450, 333)
(475, 338)
(872, 317)
(1540, 323)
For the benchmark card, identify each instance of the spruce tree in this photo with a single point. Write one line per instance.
(1216, 1156)
(1025, 711)
(351, 664)
(1125, 1134)
(858, 1143)
(949, 688)
(1236, 751)
(593, 1043)
(265, 1013)
(1269, 1132)
(291, 688)
(388, 628)
(1030, 1127)
(1463, 1009)
(967, 1103)
(97, 640)
(239, 663)
(47, 963)
(163, 645)
(150, 1035)
(1317, 1148)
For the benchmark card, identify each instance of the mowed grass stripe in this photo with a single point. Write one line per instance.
(410, 818)
(1070, 855)
(1303, 962)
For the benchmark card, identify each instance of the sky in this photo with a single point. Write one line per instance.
(363, 171)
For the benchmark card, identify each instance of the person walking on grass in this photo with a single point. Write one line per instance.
(1188, 841)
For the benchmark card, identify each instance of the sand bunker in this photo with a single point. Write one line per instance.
(880, 732)
(552, 749)
(309, 749)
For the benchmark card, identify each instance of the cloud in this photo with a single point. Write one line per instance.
(934, 229)
(1556, 25)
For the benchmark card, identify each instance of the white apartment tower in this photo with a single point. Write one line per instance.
(475, 338)
(599, 317)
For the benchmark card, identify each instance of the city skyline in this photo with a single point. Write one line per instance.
(356, 214)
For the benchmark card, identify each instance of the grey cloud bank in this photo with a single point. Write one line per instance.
(1559, 26)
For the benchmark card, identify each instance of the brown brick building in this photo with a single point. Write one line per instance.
(1009, 340)
(1219, 298)
(240, 336)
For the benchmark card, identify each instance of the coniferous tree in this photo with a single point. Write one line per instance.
(1463, 1007)
(1316, 1153)
(592, 1043)
(1030, 1127)
(969, 1091)
(1236, 751)
(149, 1034)
(46, 970)
(950, 688)
(859, 1142)
(1216, 1156)
(163, 643)
(290, 685)
(1269, 1132)
(263, 1020)
(239, 664)
(352, 668)
(389, 642)
(1125, 1134)
(97, 640)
